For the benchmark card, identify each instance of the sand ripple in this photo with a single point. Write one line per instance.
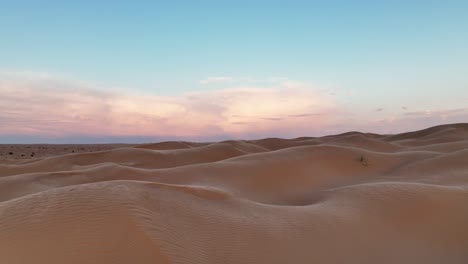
(349, 198)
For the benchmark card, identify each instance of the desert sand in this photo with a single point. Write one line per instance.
(348, 198)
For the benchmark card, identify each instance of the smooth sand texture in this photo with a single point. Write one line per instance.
(349, 198)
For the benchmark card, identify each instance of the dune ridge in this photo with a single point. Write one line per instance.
(348, 198)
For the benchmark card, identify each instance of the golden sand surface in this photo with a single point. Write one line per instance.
(348, 198)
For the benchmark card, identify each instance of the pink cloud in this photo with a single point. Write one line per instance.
(51, 106)
(58, 106)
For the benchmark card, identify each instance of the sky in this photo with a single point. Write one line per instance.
(141, 71)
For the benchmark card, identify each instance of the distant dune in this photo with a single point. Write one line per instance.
(348, 198)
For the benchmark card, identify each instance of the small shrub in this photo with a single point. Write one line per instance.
(364, 161)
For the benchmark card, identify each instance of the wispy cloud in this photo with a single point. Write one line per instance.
(45, 105)
(48, 106)
(304, 115)
(410, 121)
(439, 113)
(244, 80)
(263, 80)
(417, 113)
(218, 79)
(272, 118)
(240, 123)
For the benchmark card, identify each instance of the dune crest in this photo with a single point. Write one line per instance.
(348, 198)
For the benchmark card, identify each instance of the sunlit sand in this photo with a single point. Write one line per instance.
(349, 198)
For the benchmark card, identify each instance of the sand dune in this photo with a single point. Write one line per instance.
(348, 198)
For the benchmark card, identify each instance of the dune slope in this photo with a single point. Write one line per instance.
(348, 198)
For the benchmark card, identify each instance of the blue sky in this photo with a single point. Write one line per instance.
(368, 55)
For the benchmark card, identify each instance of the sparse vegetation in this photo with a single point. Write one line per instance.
(364, 160)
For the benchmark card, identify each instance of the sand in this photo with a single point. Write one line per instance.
(349, 198)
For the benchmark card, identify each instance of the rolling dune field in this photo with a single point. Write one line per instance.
(348, 198)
